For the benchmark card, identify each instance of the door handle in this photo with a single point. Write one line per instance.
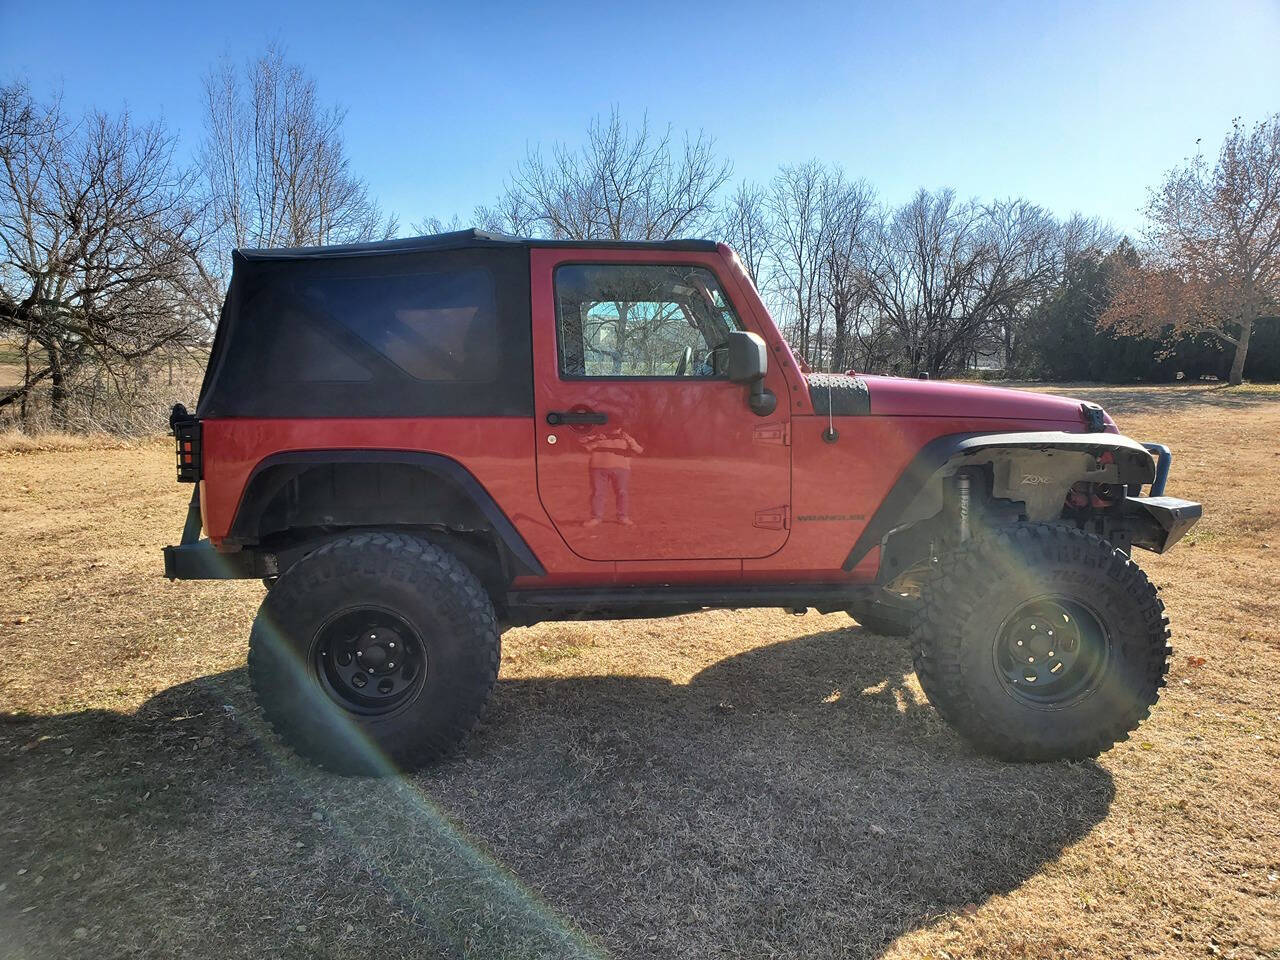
(557, 417)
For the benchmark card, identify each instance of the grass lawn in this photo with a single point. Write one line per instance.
(727, 784)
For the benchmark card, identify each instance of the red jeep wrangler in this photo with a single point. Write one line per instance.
(417, 443)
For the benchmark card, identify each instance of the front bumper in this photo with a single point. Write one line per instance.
(1158, 521)
(1164, 457)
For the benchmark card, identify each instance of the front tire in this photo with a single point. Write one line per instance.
(375, 653)
(1040, 642)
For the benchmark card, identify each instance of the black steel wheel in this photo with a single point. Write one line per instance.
(1050, 651)
(1040, 642)
(369, 660)
(375, 653)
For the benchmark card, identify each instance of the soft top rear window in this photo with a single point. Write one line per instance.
(423, 334)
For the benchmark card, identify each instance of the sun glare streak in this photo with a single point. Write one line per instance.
(476, 888)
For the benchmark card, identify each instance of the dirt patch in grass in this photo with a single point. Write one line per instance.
(720, 785)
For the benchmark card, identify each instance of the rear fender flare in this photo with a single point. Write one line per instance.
(1035, 467)
(273, 473)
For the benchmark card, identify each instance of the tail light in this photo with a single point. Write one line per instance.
(186, 437)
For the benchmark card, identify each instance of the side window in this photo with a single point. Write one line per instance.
(641, 320)
(310, 353)
(433, 326)
(422, 333)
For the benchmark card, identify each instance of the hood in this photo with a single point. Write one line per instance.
(900, 397)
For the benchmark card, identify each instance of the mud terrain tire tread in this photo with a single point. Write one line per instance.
(956, 612)
(423, 583)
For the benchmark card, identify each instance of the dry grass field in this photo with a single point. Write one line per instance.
(729, 784)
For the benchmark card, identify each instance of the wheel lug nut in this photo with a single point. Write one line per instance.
(1029, 660)
(391, 665)
(371, 669)
(392, 644)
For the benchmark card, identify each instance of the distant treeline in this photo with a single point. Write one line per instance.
(1065, 341)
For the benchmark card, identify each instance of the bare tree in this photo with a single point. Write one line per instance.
(275, 162)
(821, 225)
(848, 216)
(429, 225)
(510, 215)
(101, 244)
(1023, 258)
(910, 282)
(954, 277)
(1212, 263)
(744, 226)
(796, 208)
(622, 184)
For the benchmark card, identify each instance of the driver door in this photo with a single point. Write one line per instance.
(645, 450)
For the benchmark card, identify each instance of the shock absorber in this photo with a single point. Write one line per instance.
(962, 503)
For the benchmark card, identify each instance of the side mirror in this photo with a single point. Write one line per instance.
(748, 357)
(748, 363)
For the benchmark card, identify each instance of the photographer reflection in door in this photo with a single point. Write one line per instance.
(609, 466)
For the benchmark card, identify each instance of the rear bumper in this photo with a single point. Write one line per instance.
(196, 559)
(199, 561)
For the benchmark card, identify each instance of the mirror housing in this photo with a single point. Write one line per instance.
(748, 363)
(748, 357)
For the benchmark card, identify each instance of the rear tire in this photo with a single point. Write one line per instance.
(375, 653)
(1041, 642)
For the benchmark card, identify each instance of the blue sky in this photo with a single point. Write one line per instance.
(1078, 106)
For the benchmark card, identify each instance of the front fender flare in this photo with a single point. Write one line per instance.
(917, 493)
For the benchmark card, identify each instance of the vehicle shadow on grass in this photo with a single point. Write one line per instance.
(795, 800)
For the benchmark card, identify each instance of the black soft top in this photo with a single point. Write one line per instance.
(416, 327)
(461, 240)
